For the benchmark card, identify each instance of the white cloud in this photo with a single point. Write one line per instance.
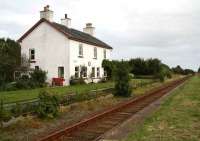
(167, 29)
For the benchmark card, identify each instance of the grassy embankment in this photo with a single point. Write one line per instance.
(178, 118)
(23, 95)
(28, 127)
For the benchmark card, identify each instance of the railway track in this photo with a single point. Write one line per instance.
(93, 128)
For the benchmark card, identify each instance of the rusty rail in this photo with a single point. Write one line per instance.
(92, 128)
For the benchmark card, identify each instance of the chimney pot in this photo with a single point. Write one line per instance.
(47, 14)
(89, 29)
(88, 24)
(65, 16)
(66, 21)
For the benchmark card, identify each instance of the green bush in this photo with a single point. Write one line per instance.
(77, 81)
(38, 78)
(122, 86)
(17, 110)
(48, 105)
(4, 115)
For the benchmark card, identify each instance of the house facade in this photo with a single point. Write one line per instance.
(64, 52)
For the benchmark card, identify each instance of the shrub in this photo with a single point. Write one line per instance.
(78, 81)
(161, 77)
(10, 86)
(22, 84)
(17, 110)
(38, 78)
(4, 115)
(122, 86)
(48, 105)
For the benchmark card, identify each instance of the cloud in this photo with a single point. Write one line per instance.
(167, 29)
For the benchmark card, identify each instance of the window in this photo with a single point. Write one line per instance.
(98, 72)
(104, 53)
(95, 53)
(32, 54)
(76, 72)
(93, 71)
(37, 68)
(80, 50)
(105, 73)
(61, 72)
(83, 72)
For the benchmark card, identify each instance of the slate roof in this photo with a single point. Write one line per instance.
(70, 33)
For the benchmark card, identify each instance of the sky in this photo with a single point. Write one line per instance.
(164, 29)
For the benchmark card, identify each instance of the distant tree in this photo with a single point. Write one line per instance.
(121, 77)
(178, 70)
(9, 59)
(154, 66)
(188, 71)
(199, 70)
(138, 66)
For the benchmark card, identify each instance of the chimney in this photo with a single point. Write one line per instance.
(46, 14)
(66, 21)
(89, 29)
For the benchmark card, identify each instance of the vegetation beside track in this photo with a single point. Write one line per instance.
(178, 119)
(29, 126)
(24, 95)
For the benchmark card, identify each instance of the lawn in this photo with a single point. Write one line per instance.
(20, 95)
(178, 118)
(23, 95)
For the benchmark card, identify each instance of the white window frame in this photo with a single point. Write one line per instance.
(104, 73)
(95, 52)
(80, 50)
(76, 72)
(98, 72)
(31, 55)
(104, 54)
(61, 75)
(84, 73)
(93, 72)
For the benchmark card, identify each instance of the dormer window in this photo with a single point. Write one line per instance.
(104, 53)
(95, 53)
(32, 54)
(80, 50)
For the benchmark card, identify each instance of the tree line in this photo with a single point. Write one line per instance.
(10, 59)
(149, 67)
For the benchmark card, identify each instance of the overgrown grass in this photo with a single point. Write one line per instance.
(14, 96)
(178, 119)
(23, 95)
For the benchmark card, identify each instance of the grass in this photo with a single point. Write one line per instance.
(23, 95)
(178, 118)
(27, 126)
(20, 95)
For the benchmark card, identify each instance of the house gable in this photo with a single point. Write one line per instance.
(70, 33)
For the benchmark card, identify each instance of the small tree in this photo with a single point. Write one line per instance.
(122, 86)
(199, 70)
(48, 105)
(38, 77)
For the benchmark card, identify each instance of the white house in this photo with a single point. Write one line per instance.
(63, 51)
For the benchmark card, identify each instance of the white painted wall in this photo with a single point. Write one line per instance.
(51, 50)
(88, 56)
